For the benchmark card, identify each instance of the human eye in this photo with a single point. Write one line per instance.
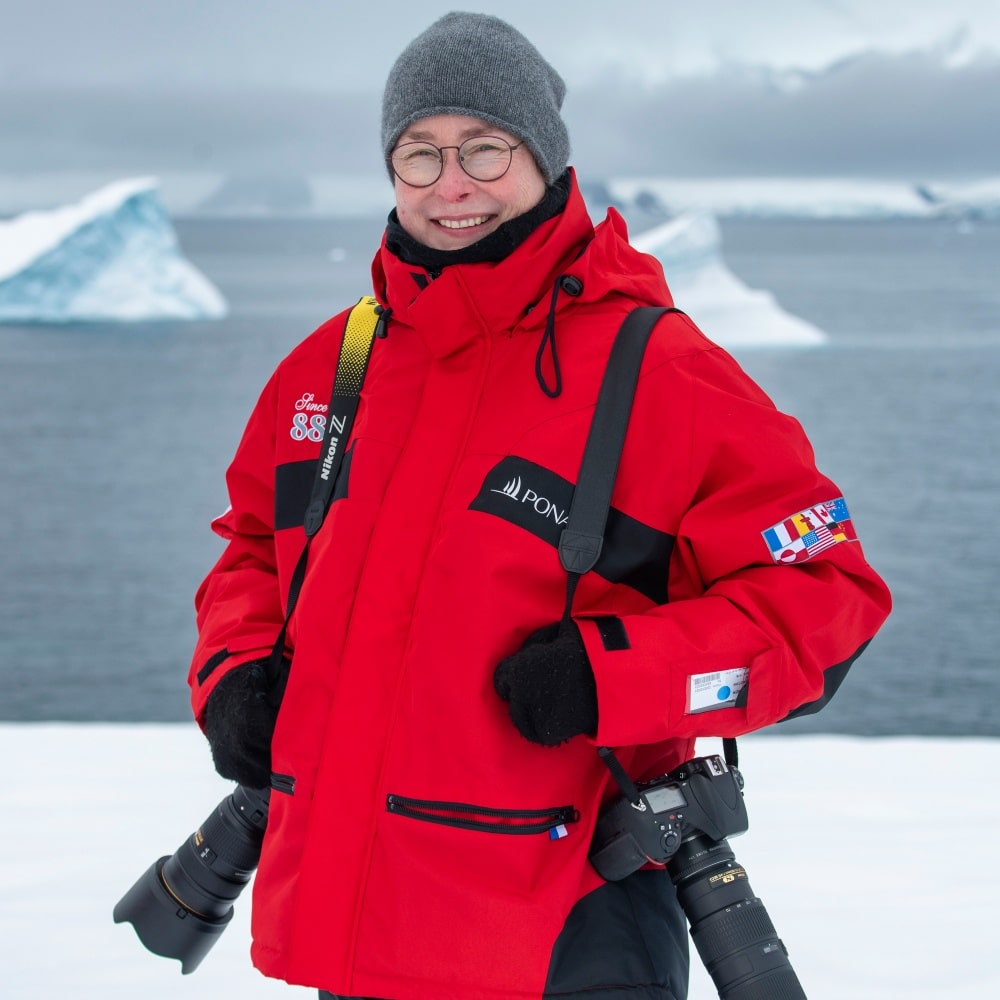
(416, 152)
(484, 145)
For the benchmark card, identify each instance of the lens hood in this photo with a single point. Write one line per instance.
(164, 925)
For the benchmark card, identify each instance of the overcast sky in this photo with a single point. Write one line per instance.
(721, 87)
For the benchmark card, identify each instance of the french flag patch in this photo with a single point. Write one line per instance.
(558, 832)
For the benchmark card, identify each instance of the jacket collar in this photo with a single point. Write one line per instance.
(468, 300)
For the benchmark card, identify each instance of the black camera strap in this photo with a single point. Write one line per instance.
(581, 542)
(364, 322)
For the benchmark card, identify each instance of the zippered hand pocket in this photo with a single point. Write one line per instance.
(283, 783)
(485, 819)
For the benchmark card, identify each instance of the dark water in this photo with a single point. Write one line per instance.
(114, 441)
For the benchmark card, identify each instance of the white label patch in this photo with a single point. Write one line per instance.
(708, 692)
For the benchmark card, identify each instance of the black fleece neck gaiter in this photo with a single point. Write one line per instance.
(498, 245)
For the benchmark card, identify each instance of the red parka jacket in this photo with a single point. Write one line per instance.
(732, 592)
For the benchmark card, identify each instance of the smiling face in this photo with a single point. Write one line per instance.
(457, 210)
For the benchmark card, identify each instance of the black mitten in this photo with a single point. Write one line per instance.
(550, 686)
(239, 721)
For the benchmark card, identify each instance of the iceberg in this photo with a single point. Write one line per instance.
(728, 311)
(971, 199)
(260, 195)
(114, 255)
(812, 197)
(781, 197)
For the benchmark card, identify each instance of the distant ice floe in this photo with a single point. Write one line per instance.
(112, 256)
(333, 195)
(725, 309)
(811, 197)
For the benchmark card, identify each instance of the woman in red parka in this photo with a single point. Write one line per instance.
(433, 765)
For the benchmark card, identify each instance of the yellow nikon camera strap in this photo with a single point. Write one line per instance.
(364, 322)
(355, 350)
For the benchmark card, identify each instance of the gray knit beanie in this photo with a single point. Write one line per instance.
(478, 65)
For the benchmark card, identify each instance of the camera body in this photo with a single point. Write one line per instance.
(701, 796)
(681, 820)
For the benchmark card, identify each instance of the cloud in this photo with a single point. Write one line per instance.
(207, 88)
(253, 131)
(902, 116)
(317, 44)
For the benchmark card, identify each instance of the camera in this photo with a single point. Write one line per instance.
(681, 820)
(182, 903)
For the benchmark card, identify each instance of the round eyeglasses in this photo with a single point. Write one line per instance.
(483, 158)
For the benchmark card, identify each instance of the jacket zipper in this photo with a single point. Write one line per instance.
(482, 818)
(283, 783)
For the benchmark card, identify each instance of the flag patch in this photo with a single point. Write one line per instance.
(558, 832)
(809, 532)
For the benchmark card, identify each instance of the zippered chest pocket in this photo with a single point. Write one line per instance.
(484, 819)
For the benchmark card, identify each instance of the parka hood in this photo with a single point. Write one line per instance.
(507, 294)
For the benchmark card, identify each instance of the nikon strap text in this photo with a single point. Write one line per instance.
(362, 326)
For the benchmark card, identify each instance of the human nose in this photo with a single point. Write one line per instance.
(453, 181)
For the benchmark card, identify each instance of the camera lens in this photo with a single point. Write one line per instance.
(182, 903)
(731, 929)
(212, 867)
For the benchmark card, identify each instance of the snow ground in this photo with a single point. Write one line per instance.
(874, 858)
